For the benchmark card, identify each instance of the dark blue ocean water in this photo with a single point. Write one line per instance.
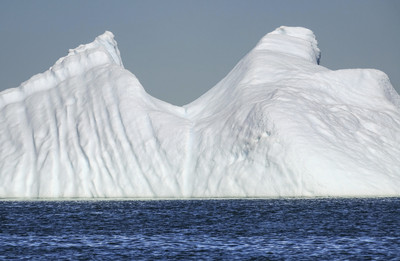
(280, 229)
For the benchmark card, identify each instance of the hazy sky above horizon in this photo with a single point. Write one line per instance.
(179, 49)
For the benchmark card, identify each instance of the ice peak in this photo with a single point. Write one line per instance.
(108, 42)
(299, 32)
(102, 50)
(295, 41)
(107, 35)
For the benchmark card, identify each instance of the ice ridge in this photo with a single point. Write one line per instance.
(101, 52)
(297, 41)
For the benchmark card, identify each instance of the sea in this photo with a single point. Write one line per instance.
(207, 229)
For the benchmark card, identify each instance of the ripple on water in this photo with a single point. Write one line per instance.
(208, 229)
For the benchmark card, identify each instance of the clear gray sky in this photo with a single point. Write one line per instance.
(179, 49)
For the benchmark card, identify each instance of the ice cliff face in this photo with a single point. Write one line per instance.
(278, 124)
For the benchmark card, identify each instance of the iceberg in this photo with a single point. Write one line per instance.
(278, 125)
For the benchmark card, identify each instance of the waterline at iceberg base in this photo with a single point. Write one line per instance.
(278, 125)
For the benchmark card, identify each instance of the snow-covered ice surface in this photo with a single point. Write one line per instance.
(278, 124)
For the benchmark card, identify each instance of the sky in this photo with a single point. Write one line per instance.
(179, 49)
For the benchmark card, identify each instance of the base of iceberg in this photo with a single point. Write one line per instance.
(278, 125)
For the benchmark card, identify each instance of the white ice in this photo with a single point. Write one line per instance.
(277, 125)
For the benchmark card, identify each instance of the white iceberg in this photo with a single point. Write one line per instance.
(278, 125)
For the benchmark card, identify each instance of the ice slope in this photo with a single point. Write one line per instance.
(278, 124)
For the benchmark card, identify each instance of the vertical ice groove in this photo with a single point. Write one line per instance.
(161, 151)
(32, 182)
(124, 137)
(105, 140)
(116, 157)
(188, 170)
(52, 150)
(57, 154)
(83, 157)
(71, 149)
(138, 171)
(103, 174)
(159, 158)
(8, 150)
